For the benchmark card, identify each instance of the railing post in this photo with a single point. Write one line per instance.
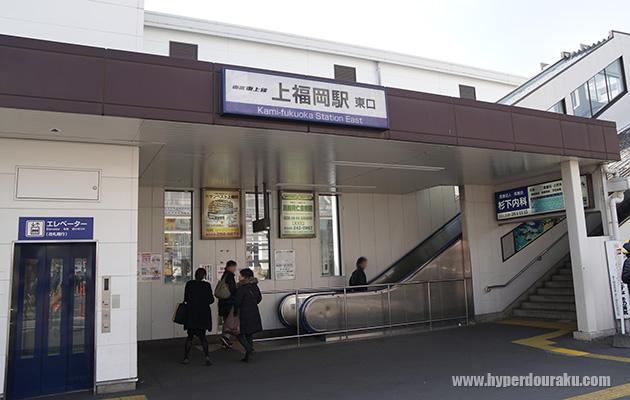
(298, 315)
(389, 308)
(345, 309)
(466, 300)
(429, 297)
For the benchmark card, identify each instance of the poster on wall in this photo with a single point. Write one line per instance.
(297, 215)
(209, 272)
(149, 267)
(220, 214)
(536, 199)
(615, 258)
(285, 264)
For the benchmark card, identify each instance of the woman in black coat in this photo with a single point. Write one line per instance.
(198, 297)
(225, 305)
(246, 301)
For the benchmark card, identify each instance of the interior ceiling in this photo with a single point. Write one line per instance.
(184, 155)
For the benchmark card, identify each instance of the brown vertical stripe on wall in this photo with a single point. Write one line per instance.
(183, 50)
(345, 74)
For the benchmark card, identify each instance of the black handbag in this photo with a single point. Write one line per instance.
(179, 316)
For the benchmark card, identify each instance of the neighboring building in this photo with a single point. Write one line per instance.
(118, 124)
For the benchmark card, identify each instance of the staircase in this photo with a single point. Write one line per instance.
(554, 300)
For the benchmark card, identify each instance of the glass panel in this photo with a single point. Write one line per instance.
(614, 75)
(55, 298)
(78, 318)
(581, 102)
(598, 92)
(177, 237)
(329, 235)
(29, 309)
(258, 253)
(558, 108)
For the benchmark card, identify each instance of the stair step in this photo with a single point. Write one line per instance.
(528, 305)
(546, 314)
(562, 278)
(552, 299)
(565, 271)
(557, 291)
(559, 284)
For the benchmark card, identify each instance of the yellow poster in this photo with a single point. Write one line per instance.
(220, 214)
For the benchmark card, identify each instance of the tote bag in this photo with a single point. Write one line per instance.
(222, 290)
(179, 316)
(233, 324)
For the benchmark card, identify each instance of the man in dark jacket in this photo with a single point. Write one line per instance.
(225, 305)
(246, 301)
(198, 297)
(625, 274)
(358, 277)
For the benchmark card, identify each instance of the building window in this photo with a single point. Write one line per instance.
(177, 236)
(183, 50)
(257, 246)
(559, 108)
(329, 234)
(467, 92)
(345, 74)
(597, 93)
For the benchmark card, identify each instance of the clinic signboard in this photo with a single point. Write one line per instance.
(536, 199)
(56, 228)
(285, 97)
(297, 215)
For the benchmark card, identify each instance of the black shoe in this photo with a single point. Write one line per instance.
(185, 361)
(248, 356)
(208, 361)
(225, 343)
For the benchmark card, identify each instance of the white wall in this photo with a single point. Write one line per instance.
(115, 229)
(115, 24)
(380, 227)
(238, 51)
(561, 86)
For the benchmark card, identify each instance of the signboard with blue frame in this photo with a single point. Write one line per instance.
(536, 199)
(56, 228)
(286, 97)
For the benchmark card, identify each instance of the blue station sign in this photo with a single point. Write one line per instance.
(56, 228)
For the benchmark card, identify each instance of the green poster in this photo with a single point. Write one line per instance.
(297, 215)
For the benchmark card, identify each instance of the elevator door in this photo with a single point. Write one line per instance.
(52, 333)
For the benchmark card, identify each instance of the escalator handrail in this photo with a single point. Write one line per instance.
(435, 233)
(415, 271)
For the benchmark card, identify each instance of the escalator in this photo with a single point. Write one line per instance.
(428, 283)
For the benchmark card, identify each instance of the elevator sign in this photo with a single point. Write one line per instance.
(55, 228)
(286, 97)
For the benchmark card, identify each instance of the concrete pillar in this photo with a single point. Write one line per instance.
(585, 300)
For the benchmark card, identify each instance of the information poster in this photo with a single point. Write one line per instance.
(615, 257)
(536, 199)
(149, 267)
(297, 215)
(209, 272)
(221, 214)
(285, 264)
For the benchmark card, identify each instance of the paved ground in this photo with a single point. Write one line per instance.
(412, 366)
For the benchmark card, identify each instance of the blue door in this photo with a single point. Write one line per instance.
(52, 323)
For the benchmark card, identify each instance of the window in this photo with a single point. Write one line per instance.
(346, 74)
(177, 236)
(257, 246)
(329, 234)
(182, 50)
(599, 91)
(559, 107)
(467, 92)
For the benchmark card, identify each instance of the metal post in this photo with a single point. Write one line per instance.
(345, 309)
(429, 297)
(298, 312)
(389, 306)
(466, 300)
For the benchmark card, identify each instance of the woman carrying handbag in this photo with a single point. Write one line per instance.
(246, 301)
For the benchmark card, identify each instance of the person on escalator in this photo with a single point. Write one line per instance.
(358, 277)
(625, 273)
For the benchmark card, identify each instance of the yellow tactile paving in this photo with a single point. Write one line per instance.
(138, 397)
(612, 393)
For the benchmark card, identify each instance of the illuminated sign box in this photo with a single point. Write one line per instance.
(285, 97)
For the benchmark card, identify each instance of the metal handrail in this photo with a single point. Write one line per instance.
(536, 259)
